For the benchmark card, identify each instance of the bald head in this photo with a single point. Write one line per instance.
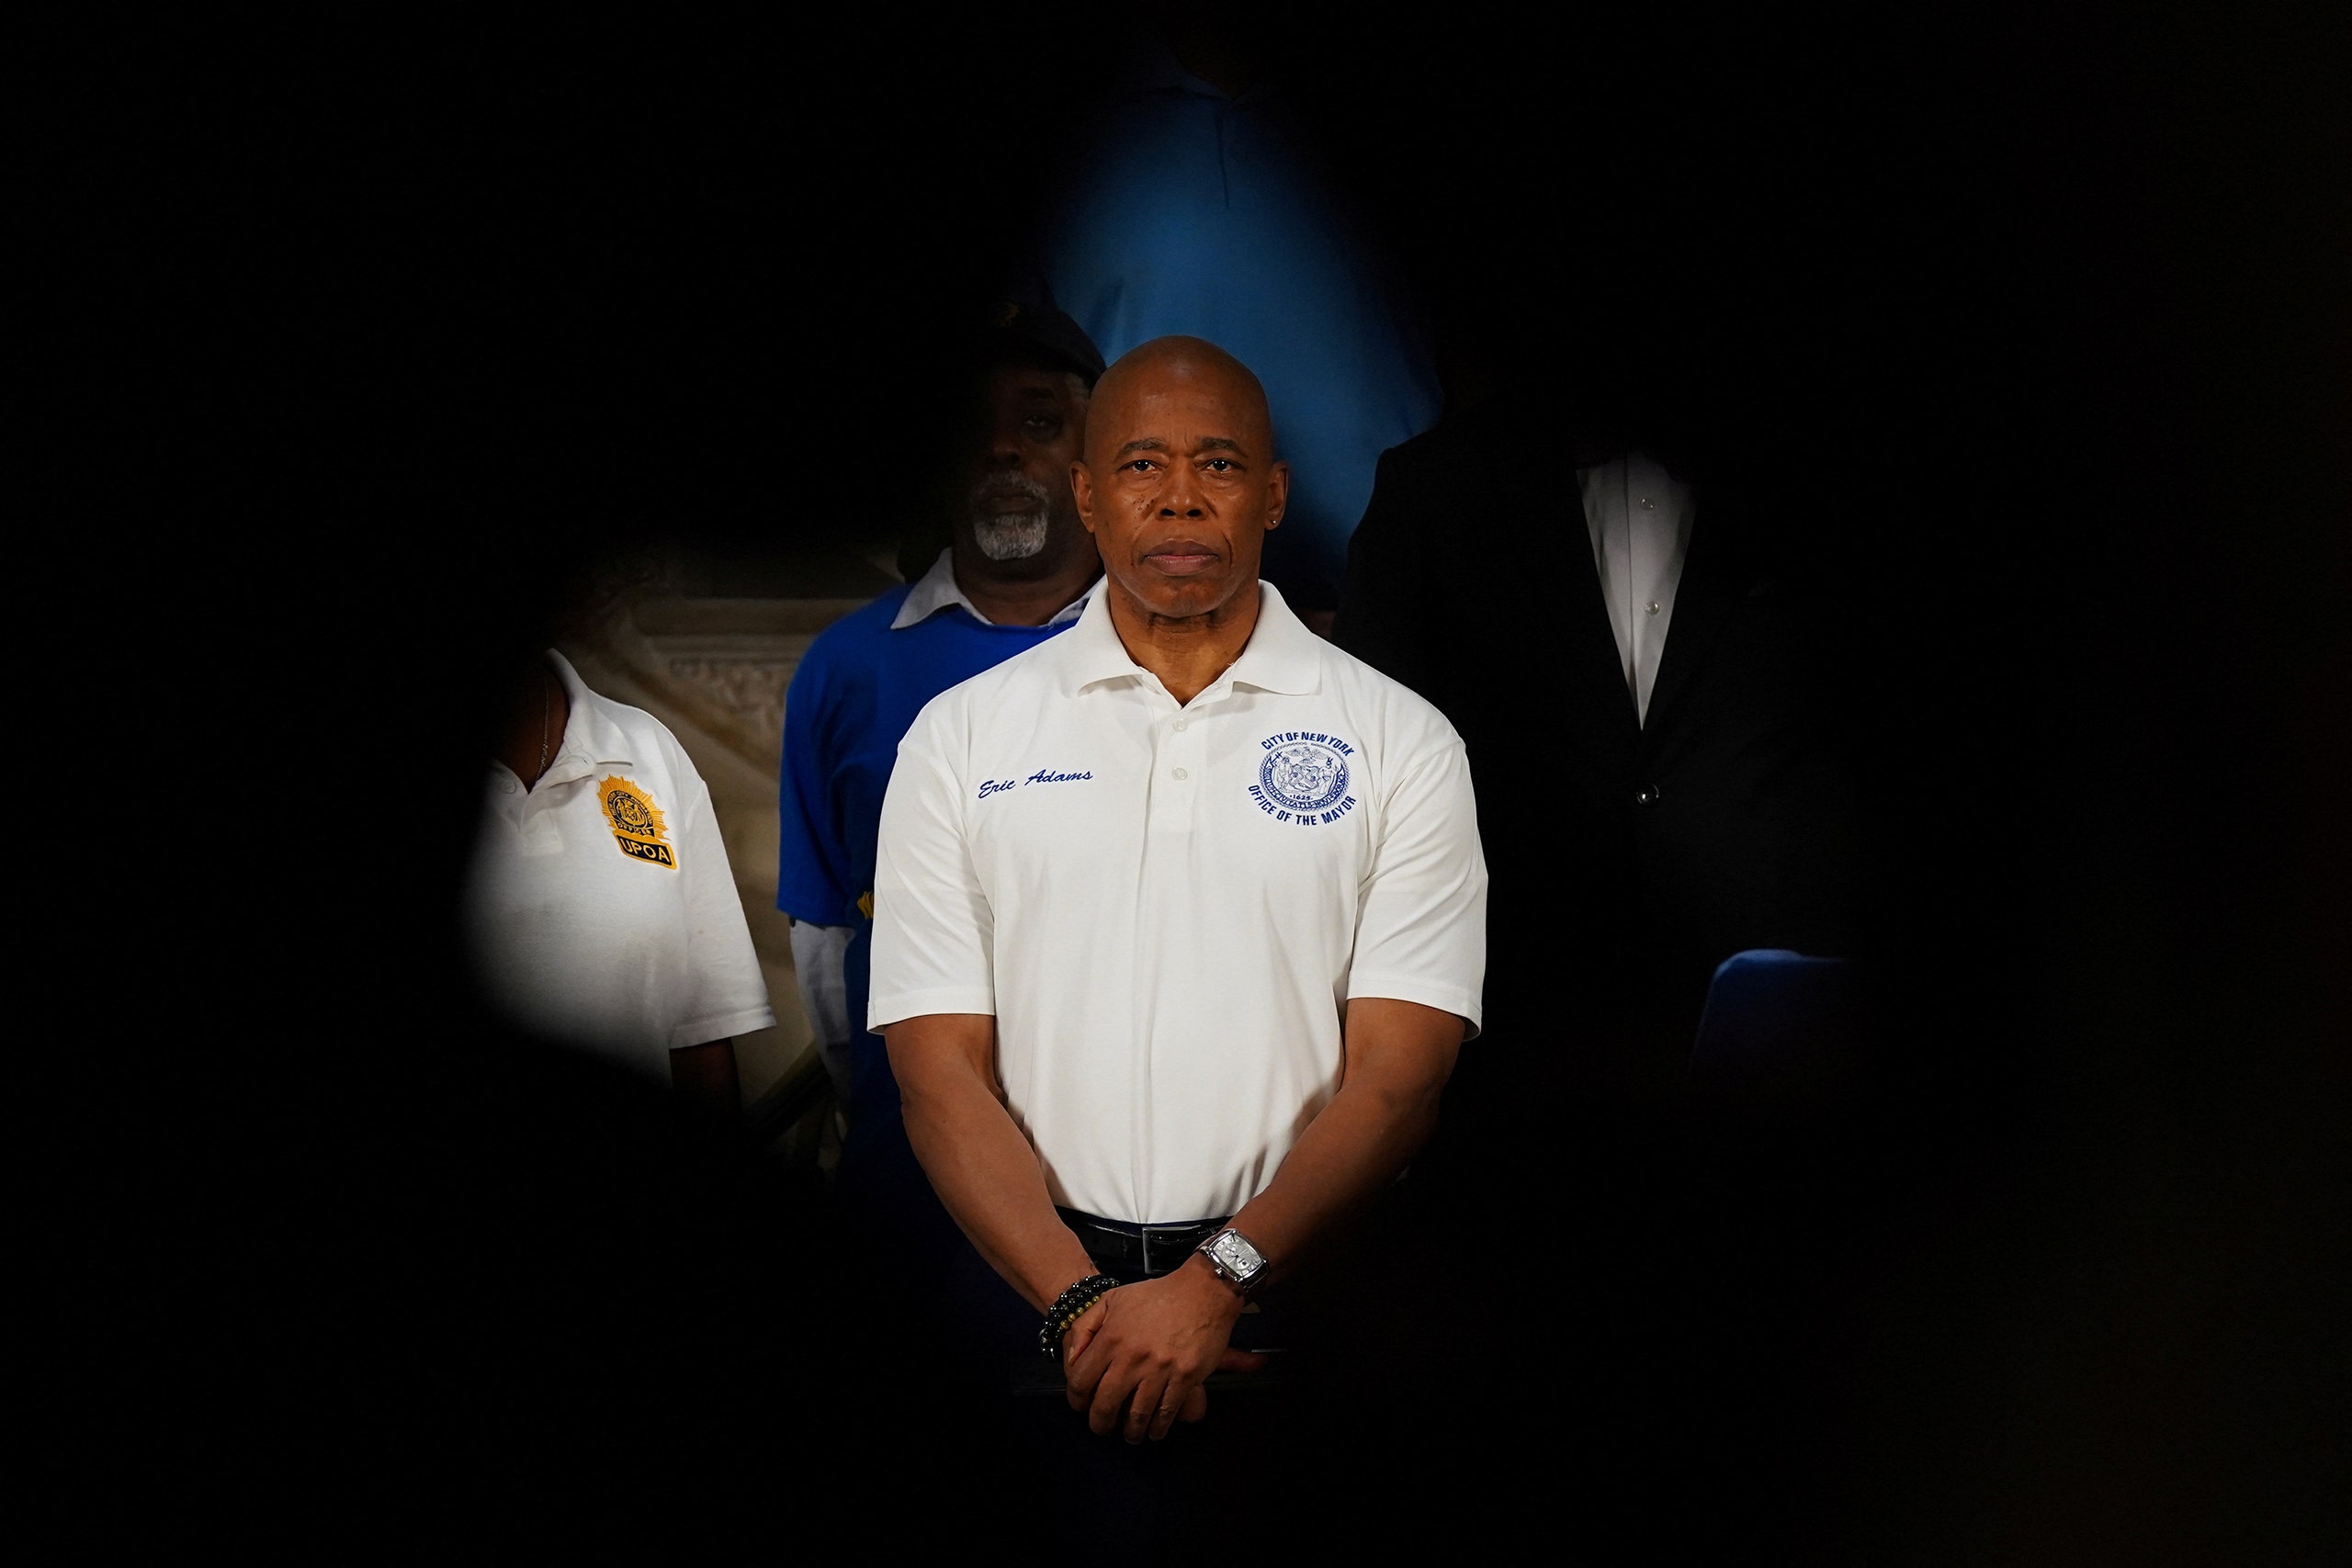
(1167, 365)
(1179, 483)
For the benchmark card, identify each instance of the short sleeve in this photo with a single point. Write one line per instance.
(727, 995)
(812, 866)
(934, 933)
(1421, 922)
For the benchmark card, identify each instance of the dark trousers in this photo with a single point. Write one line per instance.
(1222, 1479)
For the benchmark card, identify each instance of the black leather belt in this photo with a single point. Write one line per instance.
(1137, 1252)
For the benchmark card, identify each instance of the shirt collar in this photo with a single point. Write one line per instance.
(937, 589)
(591, 739)
(1282, 655)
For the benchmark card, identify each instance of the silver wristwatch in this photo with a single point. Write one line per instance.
(1236, 1262)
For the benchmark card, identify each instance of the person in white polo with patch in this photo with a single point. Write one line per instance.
(599, 907)
(1179, 918)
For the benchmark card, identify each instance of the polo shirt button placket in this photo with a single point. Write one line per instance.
(506, 802)
(1174, 759)
(1185, 746)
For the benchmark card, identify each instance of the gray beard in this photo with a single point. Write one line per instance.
(1014, 535)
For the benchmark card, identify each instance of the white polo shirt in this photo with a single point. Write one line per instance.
(1166, 909)
(599, 907)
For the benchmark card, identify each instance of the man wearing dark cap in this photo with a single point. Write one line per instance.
(1017, 569)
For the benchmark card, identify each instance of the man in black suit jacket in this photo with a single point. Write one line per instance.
(1648, 812)
(1632, 849)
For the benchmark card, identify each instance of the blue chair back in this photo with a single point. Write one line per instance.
(1775, 1021)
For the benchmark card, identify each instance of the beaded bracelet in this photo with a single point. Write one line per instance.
(1069, 1308)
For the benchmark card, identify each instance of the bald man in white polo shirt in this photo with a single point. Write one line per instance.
(1179, 918)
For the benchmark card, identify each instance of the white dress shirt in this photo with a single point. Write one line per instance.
(1639, 517)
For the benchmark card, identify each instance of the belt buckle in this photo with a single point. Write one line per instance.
(1182, 1239)
(1145, 1246)
(1132, 1247)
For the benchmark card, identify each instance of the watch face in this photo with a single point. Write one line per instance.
(1237, 1255)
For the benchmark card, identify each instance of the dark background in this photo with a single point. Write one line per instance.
(2047, 311)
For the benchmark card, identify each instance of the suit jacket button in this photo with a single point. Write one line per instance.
(1647, 796)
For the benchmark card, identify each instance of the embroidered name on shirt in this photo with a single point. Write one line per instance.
(637, 822)
(1042, 775)
(1303, 778)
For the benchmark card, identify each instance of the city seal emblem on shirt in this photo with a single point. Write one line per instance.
(637, 822)
(1304, 778)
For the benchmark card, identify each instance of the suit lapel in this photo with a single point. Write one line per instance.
(1583, 630)
(1592, 642)
(1712, 580)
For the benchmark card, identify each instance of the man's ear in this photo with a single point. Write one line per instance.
(1081, 490)
(1277, 495)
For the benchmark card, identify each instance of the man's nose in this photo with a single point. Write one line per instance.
(1182, 497)
(1001, 451)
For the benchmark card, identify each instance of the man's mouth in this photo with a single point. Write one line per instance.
(1181, 557)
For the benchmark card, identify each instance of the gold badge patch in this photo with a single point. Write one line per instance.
(637, 822)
